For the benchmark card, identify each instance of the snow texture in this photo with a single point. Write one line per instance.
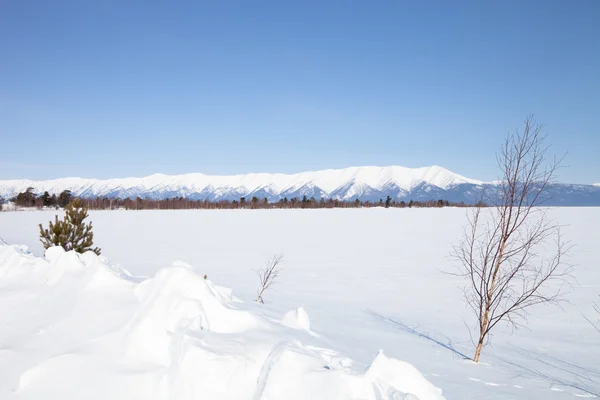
(80, 328)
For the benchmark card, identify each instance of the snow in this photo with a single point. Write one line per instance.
(8, 207)
(353, 281)
(297, 319)
(327, 180)
(175, 337)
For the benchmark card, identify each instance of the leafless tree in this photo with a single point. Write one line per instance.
(268, 276)
(595, 323)
(512, 255)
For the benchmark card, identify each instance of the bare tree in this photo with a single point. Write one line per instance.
(268, 276)
(500, 253)
(596, 323)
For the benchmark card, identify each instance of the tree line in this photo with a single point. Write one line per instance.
(182, 203)
(30, 199)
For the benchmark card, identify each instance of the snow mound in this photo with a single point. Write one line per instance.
(390, 375)
(296, 319)
(178, 299)
(80, 327)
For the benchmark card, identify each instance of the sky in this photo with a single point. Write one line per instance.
(108, 89)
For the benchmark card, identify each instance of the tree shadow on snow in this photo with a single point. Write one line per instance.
(445, 343)
(552, 370)
(549, 368)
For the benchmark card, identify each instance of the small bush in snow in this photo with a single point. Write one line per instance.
(268, 276)
(71, 233)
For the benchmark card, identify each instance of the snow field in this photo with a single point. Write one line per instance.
(172, 336)
(354, 281)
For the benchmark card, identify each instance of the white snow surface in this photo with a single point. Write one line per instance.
(327, 180)
(75, 327)
(353, 281)
(297, 319)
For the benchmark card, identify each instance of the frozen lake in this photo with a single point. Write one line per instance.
(370, 279)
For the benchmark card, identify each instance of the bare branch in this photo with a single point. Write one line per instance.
(501, 249)
(596, 323)
(268, 276)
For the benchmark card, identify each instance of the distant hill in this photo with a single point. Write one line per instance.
(364, 183)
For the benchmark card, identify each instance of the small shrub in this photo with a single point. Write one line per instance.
(268, 276)
(71, 233)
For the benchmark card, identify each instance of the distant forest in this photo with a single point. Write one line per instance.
(30, 199)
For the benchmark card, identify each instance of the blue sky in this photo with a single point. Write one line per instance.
(130, 88)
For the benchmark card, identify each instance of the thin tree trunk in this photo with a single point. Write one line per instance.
(478, 349)
(486, 314)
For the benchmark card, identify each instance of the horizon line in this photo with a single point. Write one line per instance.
(239, 174)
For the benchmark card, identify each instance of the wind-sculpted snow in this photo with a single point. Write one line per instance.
(77, 327)
(353, 281)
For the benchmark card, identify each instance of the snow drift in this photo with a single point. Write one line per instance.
(77, 326)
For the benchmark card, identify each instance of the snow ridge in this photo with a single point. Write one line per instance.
(332, 183)
(172, 336)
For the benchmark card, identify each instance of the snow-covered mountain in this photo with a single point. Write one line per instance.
(365, 183)
(345, 183)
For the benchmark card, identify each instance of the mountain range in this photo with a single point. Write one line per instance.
(364, 183)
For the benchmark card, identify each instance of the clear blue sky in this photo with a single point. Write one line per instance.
(130, 88)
